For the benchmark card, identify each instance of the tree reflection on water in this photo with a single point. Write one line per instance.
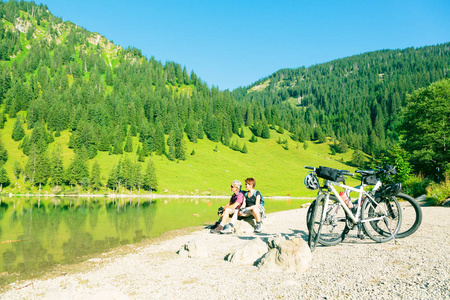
(37, 234)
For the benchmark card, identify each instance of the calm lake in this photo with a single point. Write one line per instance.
(37, 234)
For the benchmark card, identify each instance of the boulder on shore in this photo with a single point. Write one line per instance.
(292, 255)
(193, 249)
(249, 253)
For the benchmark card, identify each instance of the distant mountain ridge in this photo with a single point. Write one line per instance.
(356, 99)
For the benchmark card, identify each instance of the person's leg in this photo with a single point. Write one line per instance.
(229, 227)
(226, 216)
(256, 213)
(234, 217)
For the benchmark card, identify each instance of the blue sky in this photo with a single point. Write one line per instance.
(235, 43)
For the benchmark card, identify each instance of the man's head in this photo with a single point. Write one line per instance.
(236, 186)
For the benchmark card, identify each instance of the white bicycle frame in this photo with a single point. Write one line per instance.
(361, 192)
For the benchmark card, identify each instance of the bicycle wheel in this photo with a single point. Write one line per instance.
(381, 218)
(334, 226)
(411, 215)
(314, 223)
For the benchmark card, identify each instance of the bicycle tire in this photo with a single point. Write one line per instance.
(334, 228)
(410, 221)
(389, 211)
(314, 222)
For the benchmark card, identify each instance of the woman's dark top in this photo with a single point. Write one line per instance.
(250, 201)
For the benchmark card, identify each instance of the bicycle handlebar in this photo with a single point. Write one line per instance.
(311, 168)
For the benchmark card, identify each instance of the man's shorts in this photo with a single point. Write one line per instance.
(231, 210)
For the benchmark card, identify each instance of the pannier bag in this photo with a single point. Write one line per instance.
(328, 173)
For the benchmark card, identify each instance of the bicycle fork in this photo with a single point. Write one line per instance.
(392, 214)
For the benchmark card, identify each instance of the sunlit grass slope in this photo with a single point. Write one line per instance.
(278, 172)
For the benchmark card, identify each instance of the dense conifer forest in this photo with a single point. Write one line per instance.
(356, 100)
(56, 76)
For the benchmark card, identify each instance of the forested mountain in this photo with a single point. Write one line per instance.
(356, 99)
(58, 77)
(66, 78)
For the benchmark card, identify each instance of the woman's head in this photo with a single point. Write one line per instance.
(250, 183)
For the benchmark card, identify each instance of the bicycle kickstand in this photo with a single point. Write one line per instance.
(360, 234)
(390, 231)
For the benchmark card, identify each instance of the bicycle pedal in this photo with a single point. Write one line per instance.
(361, 236)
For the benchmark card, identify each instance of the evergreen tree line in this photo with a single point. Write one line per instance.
(42, 169)
(356, 100)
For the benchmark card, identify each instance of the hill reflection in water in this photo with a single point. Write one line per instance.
(37, 234)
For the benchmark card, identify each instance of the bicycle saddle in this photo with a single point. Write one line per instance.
(366, 172)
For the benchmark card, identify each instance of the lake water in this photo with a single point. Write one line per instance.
(37, 234)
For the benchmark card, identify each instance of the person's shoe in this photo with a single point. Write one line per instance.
(227, 229)
(258, 228)
(215, 225)
(217, 229)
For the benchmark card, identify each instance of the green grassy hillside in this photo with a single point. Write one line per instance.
(278, 172)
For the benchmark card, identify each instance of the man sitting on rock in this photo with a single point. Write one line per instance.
(225, 212)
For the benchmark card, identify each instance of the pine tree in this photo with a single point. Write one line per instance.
(118, 148)
(244, 149)
(180, 148)
(3, 152)
(138, 180)
(113, 178)
(200, 131)
(78, 172)
(30, 167)
(160, 142)
(150, 182)
(266, 131)
(358, 159)
(104, 144)
(42, 169)
(56, 167)
(305, 145)
(241, 132)
(253, 139)
(95, 179)
(2, 114)
(17, 170)
(4, 178)
(128, 145)
(18, 131)
(171, 152)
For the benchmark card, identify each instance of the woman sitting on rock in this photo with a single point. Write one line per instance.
(252, 204)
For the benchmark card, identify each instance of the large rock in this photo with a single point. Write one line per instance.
(286, 256)
(193, 249)
(244, 226)
(249, 253)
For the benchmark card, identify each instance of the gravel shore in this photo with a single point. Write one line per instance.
(416, 267)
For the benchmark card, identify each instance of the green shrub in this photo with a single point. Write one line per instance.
(438, 193)
(416, 186)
